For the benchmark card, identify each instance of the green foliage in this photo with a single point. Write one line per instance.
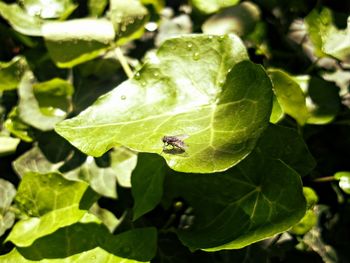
(174, 131)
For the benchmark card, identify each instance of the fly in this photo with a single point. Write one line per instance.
(177, 143)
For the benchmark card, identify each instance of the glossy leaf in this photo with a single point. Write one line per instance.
(20, 20)
(306, 223)
(254, 200)
(289, 95)
(277, 113)
(11, 72)
(8, 145)
(42, 105)
(212, 6)
(344, 181)
(51, 202)
(147, 183)
(223, 107)
(7, 217)
(326, 37)
(240, 20)
(128, 18)
(76, 41)
(49, 9)
(311, 197)
(286, 144)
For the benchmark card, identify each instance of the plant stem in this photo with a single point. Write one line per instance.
(325, 179)
(123, 62)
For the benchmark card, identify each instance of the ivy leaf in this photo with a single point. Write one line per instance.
(147, 183)
(102, 180)
(42, 105)
(128, 18)
(223, 106)
(123, 162)
(76, 41)
(245, 204)
(20, 20)
(51, 202)
(326, 37)
(11, 72)
(15, 125)
(212, 6)
(8, 145)
(7, 217)
(34, 161)
(286, 144)
(240, 20)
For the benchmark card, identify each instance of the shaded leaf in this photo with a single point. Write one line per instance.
(245, 204)
(106, 216)
(97, 7)
(75, 41)
(7, 217)
(11, 72)
(287, 145)
(15, 125)
(223, 107)
(147, 183)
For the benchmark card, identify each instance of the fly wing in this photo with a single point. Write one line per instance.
(182, 136)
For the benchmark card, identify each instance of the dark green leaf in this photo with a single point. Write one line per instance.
(11, 72)
(212, 6)
(147, 183)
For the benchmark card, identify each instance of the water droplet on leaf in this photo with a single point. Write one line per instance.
(123, 97)
(189, 46)
(196, 56)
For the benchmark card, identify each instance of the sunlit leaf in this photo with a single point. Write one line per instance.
(8, 145)
(344, 181)
(212, 6)
(15, 125)
(75, 41)
(20, 20)
(222, 107)
(44, 104)
(49, 9)
(7, 217)
(51, 202)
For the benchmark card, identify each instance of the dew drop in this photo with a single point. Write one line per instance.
(196, 56)
(155, 74)
(137, 75)
(210, 37)
(93, 257)
(123, 97)
(221, 38)
(221, 82)
(143, 83)
(189, 46)
(123, 28)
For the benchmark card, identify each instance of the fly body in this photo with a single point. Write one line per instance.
(175, 142)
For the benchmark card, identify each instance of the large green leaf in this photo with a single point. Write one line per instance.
(11, 73)
(76, 41)
(326, 37)
(287, 145)
(147, 183)
(7, 217)
(202, 91)
(20, 20)
(49, 9)
(257, 199)
(52, 202)
(212, 6)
